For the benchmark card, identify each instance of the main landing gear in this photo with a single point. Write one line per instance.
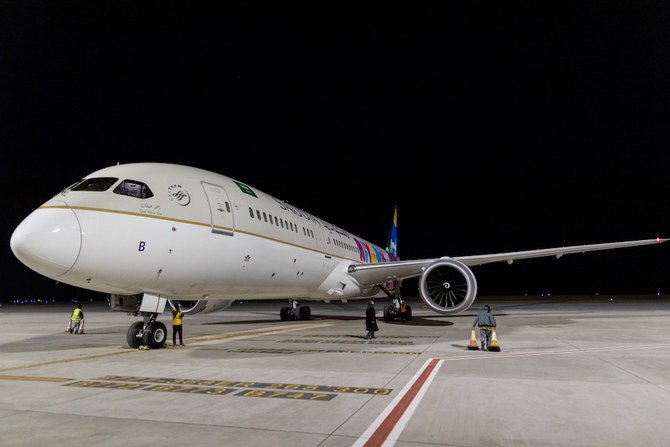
(397, 308)
(295, 312)
(149, 332)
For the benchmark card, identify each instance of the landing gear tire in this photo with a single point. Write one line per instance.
(155, 335)
(304, 313)
(389, 313)
(408, 313)
(131, 336)
(287, 313)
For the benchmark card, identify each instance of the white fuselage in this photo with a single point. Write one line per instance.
(194, 235)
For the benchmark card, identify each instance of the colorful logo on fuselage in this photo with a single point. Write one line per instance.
(371, 254)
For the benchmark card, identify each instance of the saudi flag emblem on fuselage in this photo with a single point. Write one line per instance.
(246, 189)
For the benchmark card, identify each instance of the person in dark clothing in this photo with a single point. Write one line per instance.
(486, 322)
(371, 320)
(177, 316)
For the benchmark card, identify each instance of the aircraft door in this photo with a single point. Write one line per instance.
(324, 242)
(220, 209)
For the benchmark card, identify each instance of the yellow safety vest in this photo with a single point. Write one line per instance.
(75, 315)
(176, 320)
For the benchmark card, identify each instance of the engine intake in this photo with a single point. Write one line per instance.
(448, 286)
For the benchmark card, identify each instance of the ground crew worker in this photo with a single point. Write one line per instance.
(76, 318)
(371, 320)
(177, 316)
(486, 322)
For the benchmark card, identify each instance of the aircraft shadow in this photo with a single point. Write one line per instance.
(275, 319)
(422, 321)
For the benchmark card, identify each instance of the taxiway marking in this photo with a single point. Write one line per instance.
(249, 384)
(564, 351)
(74, 359)
(249, 334)
(226, 337)
(386, 428)
(216, 391)
(36, 379)
(294, 351)
(227, 387)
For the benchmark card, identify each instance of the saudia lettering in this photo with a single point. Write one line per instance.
(286, 207)
(178, 194)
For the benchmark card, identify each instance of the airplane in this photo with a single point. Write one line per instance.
(150, 234)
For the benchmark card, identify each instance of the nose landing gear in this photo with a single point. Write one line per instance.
(149, 332)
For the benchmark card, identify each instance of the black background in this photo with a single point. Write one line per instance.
(494, 126)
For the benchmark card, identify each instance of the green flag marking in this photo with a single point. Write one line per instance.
(246, 189)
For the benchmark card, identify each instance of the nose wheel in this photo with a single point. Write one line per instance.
(150, 333)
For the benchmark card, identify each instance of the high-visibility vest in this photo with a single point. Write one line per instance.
(176, 320)
(76, 315)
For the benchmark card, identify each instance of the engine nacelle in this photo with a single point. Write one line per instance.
(201, 306)
(448, 286)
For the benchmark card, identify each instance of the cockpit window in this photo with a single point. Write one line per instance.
(95, 184)
(133, 188)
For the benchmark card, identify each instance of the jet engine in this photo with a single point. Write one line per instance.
(448, 286)
(201, 306)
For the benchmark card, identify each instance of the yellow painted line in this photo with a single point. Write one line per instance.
(243, 335)
(35, 379)
(191, 341)
(75, 359)
(129, 213)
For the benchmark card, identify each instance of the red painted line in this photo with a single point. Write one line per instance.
(385, 428)
(567, 351)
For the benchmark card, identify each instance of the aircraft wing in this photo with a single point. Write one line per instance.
(372, 274)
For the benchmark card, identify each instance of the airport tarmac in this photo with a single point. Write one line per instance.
(578, 371)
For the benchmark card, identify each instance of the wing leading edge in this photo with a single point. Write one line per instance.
(373, 274)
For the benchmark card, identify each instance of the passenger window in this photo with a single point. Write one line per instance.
(133, 188)
(251, 212)
(95, 184)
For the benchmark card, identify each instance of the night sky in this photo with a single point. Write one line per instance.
(494, 126)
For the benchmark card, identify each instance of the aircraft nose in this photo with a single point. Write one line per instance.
(48, 240)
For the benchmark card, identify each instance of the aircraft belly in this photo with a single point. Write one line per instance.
(262, 268)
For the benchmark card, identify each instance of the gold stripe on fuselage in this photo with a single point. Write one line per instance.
(189, 222)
